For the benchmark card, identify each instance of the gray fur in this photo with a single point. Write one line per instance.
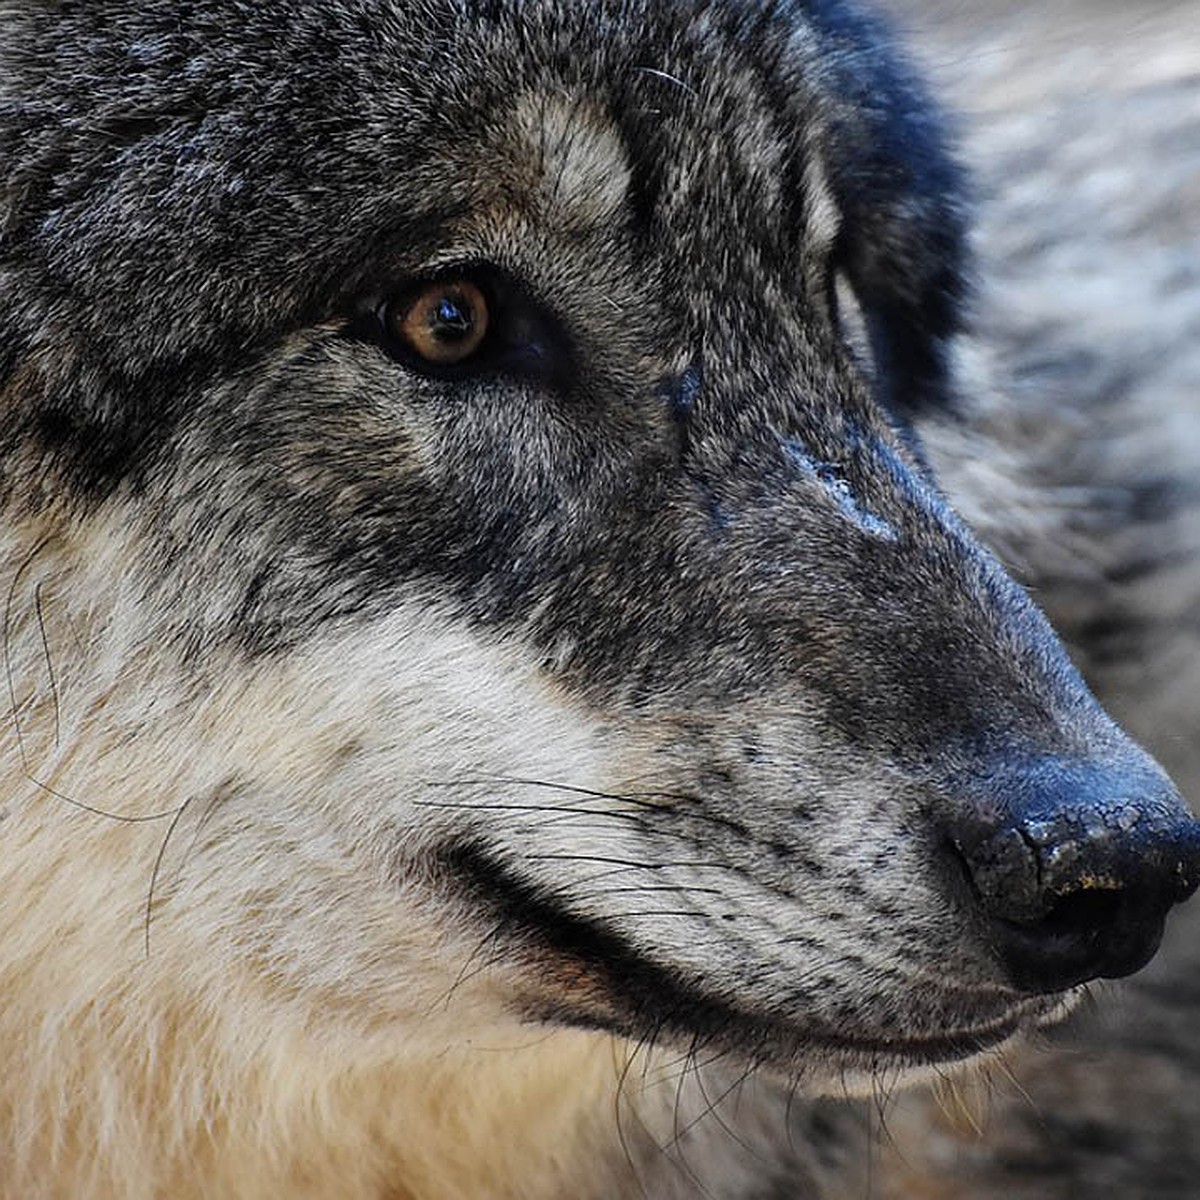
(697, 511)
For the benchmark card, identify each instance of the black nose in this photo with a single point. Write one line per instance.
(1075, 866)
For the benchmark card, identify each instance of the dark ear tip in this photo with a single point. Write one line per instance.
(904, 200)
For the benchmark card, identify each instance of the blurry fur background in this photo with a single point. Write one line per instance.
(1081, 121)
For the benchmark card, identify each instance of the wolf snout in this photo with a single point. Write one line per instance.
(1074, 868)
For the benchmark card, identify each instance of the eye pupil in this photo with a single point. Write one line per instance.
(444, 323)
(453, 319)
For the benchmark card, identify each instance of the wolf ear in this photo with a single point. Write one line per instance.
(911, 290)
(901, 192)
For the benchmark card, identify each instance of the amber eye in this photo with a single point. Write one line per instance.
(443, 323)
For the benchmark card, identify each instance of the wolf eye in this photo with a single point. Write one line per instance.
(442, 323)
(475, 320)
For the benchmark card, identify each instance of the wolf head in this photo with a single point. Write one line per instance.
(464, 482)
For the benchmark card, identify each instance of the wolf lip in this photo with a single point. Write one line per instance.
(598, 981)
(951, 1045)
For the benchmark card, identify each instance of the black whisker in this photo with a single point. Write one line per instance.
(158, 862)
(41, 620)
(656, 801)
(15, 706)
(471, 966)
(10, 601)
(630, 864)
(123, 818)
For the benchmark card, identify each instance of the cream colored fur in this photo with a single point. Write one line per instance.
(332, 1047)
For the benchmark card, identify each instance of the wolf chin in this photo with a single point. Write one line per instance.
(498, 699)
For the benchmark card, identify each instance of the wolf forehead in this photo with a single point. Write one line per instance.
(181, 182)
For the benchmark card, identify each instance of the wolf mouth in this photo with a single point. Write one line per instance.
(592, 977)
(953, 1045)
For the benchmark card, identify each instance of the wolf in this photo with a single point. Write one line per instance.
(500, 699)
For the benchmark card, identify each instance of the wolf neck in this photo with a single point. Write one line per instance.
(176, 1122)
(134, 1085)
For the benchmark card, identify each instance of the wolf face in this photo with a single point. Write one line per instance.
(472, 564)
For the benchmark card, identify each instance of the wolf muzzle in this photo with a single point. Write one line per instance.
(1074, 866)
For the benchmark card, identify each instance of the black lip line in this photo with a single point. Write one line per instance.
(654, 1000)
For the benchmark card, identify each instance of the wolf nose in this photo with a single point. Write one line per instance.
(1076, 880)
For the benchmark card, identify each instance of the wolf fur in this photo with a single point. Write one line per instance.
(523, 784)
(1082, 127)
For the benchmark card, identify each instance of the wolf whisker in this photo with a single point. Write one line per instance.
(553, 812)
(622, 863)
(158, 862)
(656, 801)
(14, 704)
(41, 620)
(471, 966)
